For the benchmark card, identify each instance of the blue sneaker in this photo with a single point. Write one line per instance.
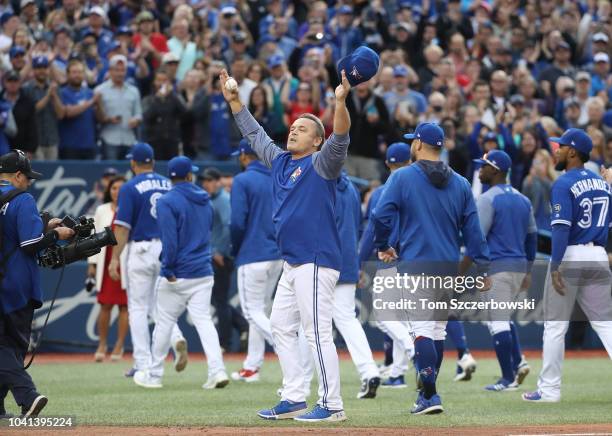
(319, 413)
(130, 372)
(394, 382)
(284, 410)
(502, 385)
(537, 397)
(424, 406)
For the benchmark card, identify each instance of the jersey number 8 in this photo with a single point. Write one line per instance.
(587, 205)
(153, 200)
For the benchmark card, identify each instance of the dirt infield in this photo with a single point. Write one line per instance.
(591, 429)
(235, 357)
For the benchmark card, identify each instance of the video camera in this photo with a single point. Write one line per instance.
(84, 244)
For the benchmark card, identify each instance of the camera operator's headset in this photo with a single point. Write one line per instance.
(22, 163)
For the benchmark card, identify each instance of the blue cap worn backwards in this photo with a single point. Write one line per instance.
(429, 133)
(497, 159)
(575, 138)
(180, 166)
(360, 66)
(244, 147)
(141, 152)
(398, 152)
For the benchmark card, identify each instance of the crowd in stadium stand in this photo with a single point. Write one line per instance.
(85, 79)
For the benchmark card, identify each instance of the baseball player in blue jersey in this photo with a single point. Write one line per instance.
(579, 270)
(397, 156)
(186, 275)
(303, 197)
(433, 205)
(136, 227)
(507, 221)
(257, 257)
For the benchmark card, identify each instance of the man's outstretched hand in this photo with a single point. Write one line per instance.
(342, 90)
(231, 96)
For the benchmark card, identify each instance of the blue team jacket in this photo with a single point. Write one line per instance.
(435, 207)
(185, 220)
(21, 226)
(251, 226)
(348, 219)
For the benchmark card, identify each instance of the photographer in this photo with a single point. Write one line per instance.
(20, 292)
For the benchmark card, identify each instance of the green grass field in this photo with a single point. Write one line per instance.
(98, 394)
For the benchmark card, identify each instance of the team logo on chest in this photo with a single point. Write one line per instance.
(295, 174)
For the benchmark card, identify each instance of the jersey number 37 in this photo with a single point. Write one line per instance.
(588, 209)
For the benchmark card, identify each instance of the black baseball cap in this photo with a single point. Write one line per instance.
(210, 174)
(17, 160)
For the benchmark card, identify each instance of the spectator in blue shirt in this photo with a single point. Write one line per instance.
(77, 127)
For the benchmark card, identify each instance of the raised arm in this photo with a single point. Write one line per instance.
(328, 163)
(249, 127)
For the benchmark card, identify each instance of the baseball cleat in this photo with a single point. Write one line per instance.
(284, 410)
(537, 397)
(395, 382)
(466, 366)
(146, 380)
(522, 371)
(36, 407)
(217, 381)
(369, 387)
(319, 414)
(180, 354)
(502, 385)
(130, 372)
(425, 406)
(246, 375)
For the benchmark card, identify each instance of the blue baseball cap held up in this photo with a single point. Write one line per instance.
(497, 159)
(398, 152)
(360, 66)
(180, 166)
(429, 133)
(141, 152)
(575, 138)
(244, 147)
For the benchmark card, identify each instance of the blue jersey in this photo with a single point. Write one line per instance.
(366, 245)
(137, 205)
(506, 218)
(581, 200)
(187, 217)
(251, 223)
(348, 219)
(435, 207)
(21, 226)
(77, 132)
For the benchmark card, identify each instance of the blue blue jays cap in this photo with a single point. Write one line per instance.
(398, 152)
(180, 166)
(429, 133)
(360, 66)
(345, 10)
(124, 30)
(40, 62)
(400, 71)
(575, 138)
(497, 159)
(275, 60)
(141, 152)
(5, 17)
(16, 50)
(244, 147)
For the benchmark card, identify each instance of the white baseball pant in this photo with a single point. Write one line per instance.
(142, 272)
(345, 320)
(505, 286)
(305, 296)
(256, 284)
(172, 299)
(595, 299)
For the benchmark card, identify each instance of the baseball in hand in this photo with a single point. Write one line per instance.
(231, 84)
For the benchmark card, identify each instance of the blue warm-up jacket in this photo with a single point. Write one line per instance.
(185, 218)
(348, 220)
